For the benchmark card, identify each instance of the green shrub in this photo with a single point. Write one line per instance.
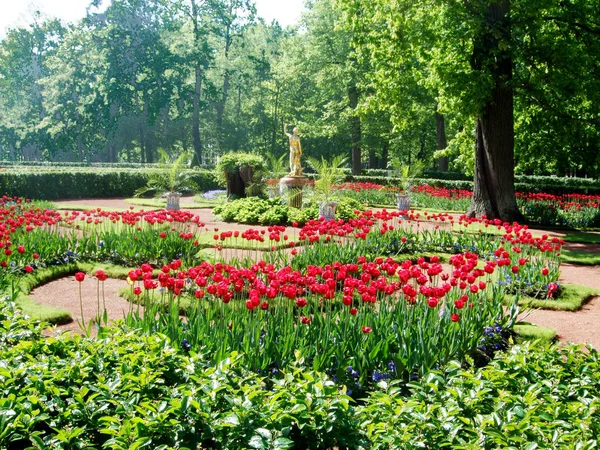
(531, 397)
(254, 210)
(233, 162)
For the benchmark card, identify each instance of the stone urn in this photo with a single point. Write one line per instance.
(172, 200)
(327, 210)
(403, 202)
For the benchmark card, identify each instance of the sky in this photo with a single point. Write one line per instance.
(14, 13)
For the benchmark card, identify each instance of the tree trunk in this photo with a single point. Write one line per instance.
(142, 144)
(148, 145)
(355, 130)
(79, 145)
(236, 187)
(276, 126)
(196, 117)
(494, 186)
(238, 118)
(220, 106)
(385, 152)
(441, 140)
(372, 159)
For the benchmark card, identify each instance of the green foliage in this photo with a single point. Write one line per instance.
(126, 389)
(233, 162)
(173, 177)
(407, 173)
(276, 167)
(520, 400)
(254, 210)
(328, 174)
(130, 389)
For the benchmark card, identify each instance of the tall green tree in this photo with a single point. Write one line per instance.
(23, 62)
(468, 52)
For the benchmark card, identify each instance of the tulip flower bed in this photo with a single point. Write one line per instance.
(358, 305)
(526, 265)
(569, 210)
(270, 353)
(358, 321)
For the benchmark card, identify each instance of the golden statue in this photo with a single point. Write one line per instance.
(295, 151)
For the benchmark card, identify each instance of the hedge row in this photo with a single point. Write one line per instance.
(85, 183)
(523, 183)
(62, 164)
(52, 183)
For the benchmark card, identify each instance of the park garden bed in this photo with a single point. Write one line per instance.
(343, 325)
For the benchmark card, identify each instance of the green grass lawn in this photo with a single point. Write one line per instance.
(529, 332)
(583, 237)
(158, 203)
(572, 298)
(579, 257)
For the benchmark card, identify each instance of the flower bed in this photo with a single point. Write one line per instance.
(269, 354)
(570, 210)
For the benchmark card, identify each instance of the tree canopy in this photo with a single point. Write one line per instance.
(491, 86)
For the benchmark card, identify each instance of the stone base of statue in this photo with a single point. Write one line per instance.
(292, 187)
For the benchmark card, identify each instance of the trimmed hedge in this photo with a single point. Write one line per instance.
(84, 183)
(52, 182)
(523, 183)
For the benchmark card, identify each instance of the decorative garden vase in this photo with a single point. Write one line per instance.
(173, 200)
(403, 202)
(327, 210)
(292, 188)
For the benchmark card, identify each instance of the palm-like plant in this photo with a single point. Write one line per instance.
(276, 167)
(329, 173)
(170, 179)
(407, 174)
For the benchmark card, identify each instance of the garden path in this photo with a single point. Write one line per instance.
(577, 327)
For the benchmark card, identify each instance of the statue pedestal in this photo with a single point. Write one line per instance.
(293, 186)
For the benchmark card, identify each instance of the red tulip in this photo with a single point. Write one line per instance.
(80, 276)
(101, 275)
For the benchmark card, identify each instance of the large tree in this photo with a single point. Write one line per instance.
(465, 54)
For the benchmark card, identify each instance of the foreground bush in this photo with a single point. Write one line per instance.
(531, 397)
(130, 391)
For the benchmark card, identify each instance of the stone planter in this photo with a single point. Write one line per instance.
(172, 200)
(403, 202)
(327, 210)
